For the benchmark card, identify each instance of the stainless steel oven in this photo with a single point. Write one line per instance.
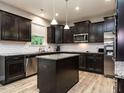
(79, 38)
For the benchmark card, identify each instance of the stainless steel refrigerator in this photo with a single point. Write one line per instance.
(109, 51)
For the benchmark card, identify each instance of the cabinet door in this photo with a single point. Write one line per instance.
(120, 86)
(99, 64)
(50, 35)
(59, 34)
(24, 29)
(9, 27)
(109, 24)
(120, 31)
(100, 32)
(82, 27)
(93, 33)
(68, 35)
(82, 62)
(91, 62)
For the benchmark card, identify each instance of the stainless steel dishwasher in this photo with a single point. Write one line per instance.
(30, 65)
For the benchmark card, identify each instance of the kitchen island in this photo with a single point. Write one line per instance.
(57, 73)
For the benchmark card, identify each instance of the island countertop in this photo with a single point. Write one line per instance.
(57, 56)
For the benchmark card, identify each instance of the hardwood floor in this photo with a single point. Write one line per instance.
(89, 83)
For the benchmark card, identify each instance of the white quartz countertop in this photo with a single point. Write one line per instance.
(57, 56)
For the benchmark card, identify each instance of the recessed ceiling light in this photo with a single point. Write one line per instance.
(108, 0)
(77, 8)
(57, 14)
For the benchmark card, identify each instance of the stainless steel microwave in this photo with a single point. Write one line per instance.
(79, 38)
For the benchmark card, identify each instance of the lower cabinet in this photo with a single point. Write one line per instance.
(82, 62)
(120, 86)
(92, 62)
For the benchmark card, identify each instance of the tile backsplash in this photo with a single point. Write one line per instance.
(11, 47)
(91, 47)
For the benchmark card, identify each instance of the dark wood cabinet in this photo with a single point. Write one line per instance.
(92, 62)
(9, 27)
(82, 27)
(96, 33)
(120, 31)
(109, 24)
(14, 28)
(100, 32)
(59, 34)
(95, 63)
(50, 35)
(68, 35)
(92, 33)
(57, 76)
(120, 85)
(24, 27)
(82, 62)
(55, 34)
(99, 63)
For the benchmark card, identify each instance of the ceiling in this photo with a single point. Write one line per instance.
(88, 8)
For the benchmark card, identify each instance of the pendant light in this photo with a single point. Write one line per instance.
(66, 25)
(54, 22)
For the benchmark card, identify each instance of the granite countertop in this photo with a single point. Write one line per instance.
(22, 53)
(57, 56)
(83, 52)
(35, 53)
(119, 69)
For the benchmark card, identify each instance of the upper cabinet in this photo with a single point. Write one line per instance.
(24, 28)
(96, 33)
(109, 24)
(55, 34)
(9, 26)
(58, 33)
(68, 35)
(14, 28)
(100, 32)
(82, 27)
(50, 35)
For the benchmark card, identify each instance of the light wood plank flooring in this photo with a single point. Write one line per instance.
(89, 83)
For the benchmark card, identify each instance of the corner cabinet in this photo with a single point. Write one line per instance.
(55, 34)
(14, 28)
(68, 35)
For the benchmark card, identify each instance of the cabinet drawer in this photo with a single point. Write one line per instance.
(14, 58)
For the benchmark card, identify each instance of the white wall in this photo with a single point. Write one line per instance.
(37, 23)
